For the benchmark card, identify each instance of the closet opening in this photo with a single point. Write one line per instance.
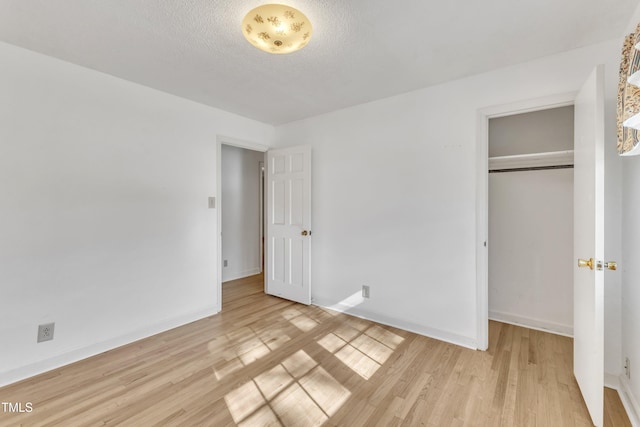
(530, 219)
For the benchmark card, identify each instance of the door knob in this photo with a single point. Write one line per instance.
(611, 265)
(304, 232)
(585, 263)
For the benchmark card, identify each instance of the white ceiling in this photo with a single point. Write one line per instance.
(361, 50)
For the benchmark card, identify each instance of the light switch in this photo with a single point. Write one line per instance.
(212, 202)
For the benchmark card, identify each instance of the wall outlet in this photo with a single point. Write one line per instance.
(225, 263)
(212, 202)
(45, 332)
(365, 291)
(627, 367)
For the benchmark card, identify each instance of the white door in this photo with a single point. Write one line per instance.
(588, 236)
(288, 270)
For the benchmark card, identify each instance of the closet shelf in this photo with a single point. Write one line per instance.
(534, 160)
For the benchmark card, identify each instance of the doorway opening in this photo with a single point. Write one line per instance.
(240, 211)
(530, 219)
(482, 200)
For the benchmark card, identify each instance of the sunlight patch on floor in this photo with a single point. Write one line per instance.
(273, 381)
(295, 392)
(244, 401)
(332, 343)
(384, 336)
(295, 407)
(363, 352)
(252, 347)
(359, 362)
(263, 417)
(252, 350)
(290, 313)
(325, 390)
(304, 323)
(299, 363)
(299, 319)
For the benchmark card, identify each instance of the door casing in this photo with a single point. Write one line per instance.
(482, 196)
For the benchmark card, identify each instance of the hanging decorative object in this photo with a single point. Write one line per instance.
(276, 28)
(628, 114)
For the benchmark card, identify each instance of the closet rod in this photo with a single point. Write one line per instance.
(532, 168)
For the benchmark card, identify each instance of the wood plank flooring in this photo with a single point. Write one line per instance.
(265, 361)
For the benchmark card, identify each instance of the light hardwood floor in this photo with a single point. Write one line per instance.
(267, 361)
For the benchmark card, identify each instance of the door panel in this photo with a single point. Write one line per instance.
(279, 202)
(588, 305)
(278, 256)
(297, 262)
(297, 202)
(288, 272)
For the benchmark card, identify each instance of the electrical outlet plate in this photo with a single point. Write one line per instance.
(365, 291)
(45, 332)
(627, 367)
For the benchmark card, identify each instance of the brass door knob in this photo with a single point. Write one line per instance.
(304, 232)
(585, 263)
(611, 265)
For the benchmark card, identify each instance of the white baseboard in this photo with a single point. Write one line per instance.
(531, 323)
(629, 401)
(400, 324)
(75, 355)
(234, 275)
(612, 381)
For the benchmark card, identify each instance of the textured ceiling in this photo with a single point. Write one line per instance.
(361, 50)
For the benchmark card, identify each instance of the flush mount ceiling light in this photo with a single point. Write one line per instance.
(277, 28)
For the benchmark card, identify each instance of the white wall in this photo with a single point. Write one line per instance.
(394, 191)
(104, 223)
(630, 268)
(240, 206)
(531, 248)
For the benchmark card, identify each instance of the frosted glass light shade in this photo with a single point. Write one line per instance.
(277, 28)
